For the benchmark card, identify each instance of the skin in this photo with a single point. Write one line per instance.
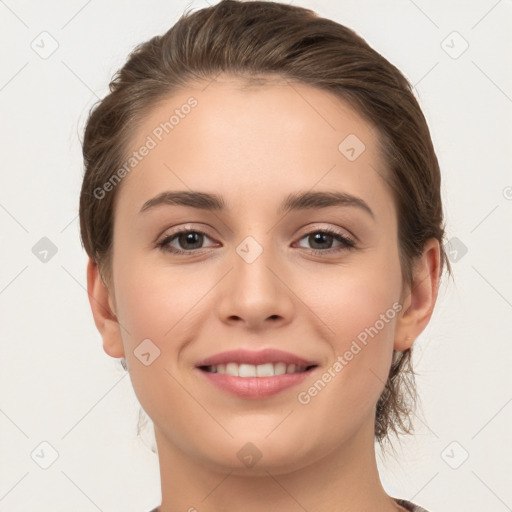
(254, 146)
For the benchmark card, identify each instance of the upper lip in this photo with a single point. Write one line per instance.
(242, 356)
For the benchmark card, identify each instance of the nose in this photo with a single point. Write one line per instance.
(255, 293)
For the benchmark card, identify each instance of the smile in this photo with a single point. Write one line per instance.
(251, 370)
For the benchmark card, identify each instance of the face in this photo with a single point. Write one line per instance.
(265, 264)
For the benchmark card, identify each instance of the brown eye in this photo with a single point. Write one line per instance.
(321, 241)
(183, 242)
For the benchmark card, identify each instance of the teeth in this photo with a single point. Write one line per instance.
(251, 370)
(247, 370)
(279, 368)
(262, 370)
(232, 369)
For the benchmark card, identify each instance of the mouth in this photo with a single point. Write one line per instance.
(256, 375)
(250, 370)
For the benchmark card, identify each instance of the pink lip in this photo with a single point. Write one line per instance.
(242, 356)
(255, 387)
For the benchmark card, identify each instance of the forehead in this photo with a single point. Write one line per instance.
(271, 135)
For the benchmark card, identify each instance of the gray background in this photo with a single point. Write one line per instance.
(59, 388)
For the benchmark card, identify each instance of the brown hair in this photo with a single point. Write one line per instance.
(254, 38)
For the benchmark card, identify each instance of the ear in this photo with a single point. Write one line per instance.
(103, 311)
(420, 298)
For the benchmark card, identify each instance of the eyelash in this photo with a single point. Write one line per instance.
(347, 243)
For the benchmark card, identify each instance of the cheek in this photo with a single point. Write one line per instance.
(349, 299)
(156, 310)
(152, 305)
(361, 309)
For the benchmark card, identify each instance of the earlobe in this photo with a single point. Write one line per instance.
(418, 305)
(102, 307)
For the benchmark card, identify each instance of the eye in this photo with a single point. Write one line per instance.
(184, 242)
(322, 240)
(190, 241)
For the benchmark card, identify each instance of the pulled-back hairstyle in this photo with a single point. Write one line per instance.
(250, 40)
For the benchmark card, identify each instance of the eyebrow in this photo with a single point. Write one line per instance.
(296, 201)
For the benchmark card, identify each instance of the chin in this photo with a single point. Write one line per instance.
(252, 455)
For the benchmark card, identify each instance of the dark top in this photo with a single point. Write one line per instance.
(404, 503)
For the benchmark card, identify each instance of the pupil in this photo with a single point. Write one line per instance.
(191, 238)
(317, 238)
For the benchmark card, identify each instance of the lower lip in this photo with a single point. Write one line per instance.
(255, 387)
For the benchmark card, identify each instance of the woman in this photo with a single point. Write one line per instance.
(261, 208)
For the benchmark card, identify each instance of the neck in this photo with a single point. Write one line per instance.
(344, 480)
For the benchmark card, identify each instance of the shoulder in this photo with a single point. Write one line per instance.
(408, 505)
(412, 507)
(404, 503)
